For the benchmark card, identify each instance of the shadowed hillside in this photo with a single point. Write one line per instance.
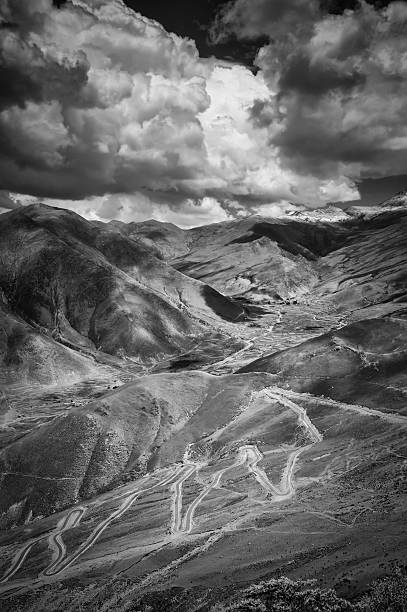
(96, 289)
(31, 356)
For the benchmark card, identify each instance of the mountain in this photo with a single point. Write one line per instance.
(327, 214)
(396, 201)
(184, 413)
(370, 268)
(96, 289)
(32, 357)
(166, 239)
(257, 258)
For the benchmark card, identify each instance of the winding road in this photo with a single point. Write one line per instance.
(187, 522)
(55, 540)
(63, 563)
(18, 560)
(303, 418)
(59, 561)
(177, 498)
(247, 455)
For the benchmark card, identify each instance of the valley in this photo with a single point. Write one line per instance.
(200, 409)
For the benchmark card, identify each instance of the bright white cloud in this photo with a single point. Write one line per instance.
(241, 154)
(139, 207)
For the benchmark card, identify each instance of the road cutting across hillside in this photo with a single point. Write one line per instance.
(55, 540)
(19, 559)
(247, 455)
(64, 563)
(177, 498)
(187, 522)
(303, 418)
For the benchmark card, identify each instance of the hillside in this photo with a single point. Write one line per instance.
(146, 424)
(97, 289)
(363, 363)
(189, 410)
(260, 259)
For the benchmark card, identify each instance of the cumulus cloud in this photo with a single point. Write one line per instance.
(101, 100)
(338, 86)
(140, 207)
(108, 112)
(243, 154)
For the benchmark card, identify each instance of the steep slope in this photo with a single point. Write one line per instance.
(31, 356)
(98, 289)
(372, 267)
(261, 259)
(294, 465)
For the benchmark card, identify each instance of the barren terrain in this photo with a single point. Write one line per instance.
(229, 405)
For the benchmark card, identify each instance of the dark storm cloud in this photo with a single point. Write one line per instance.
(251, 19)
(302, 75)
(104, 102)
(95, 98)
(26, 74)
(338, 82)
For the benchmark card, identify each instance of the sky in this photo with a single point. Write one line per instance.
(204, 111)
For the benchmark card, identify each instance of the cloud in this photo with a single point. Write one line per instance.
(110, 95)
(338, 87)
(252, 19)
(109, 112)
(139, 207)
(243, 156)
